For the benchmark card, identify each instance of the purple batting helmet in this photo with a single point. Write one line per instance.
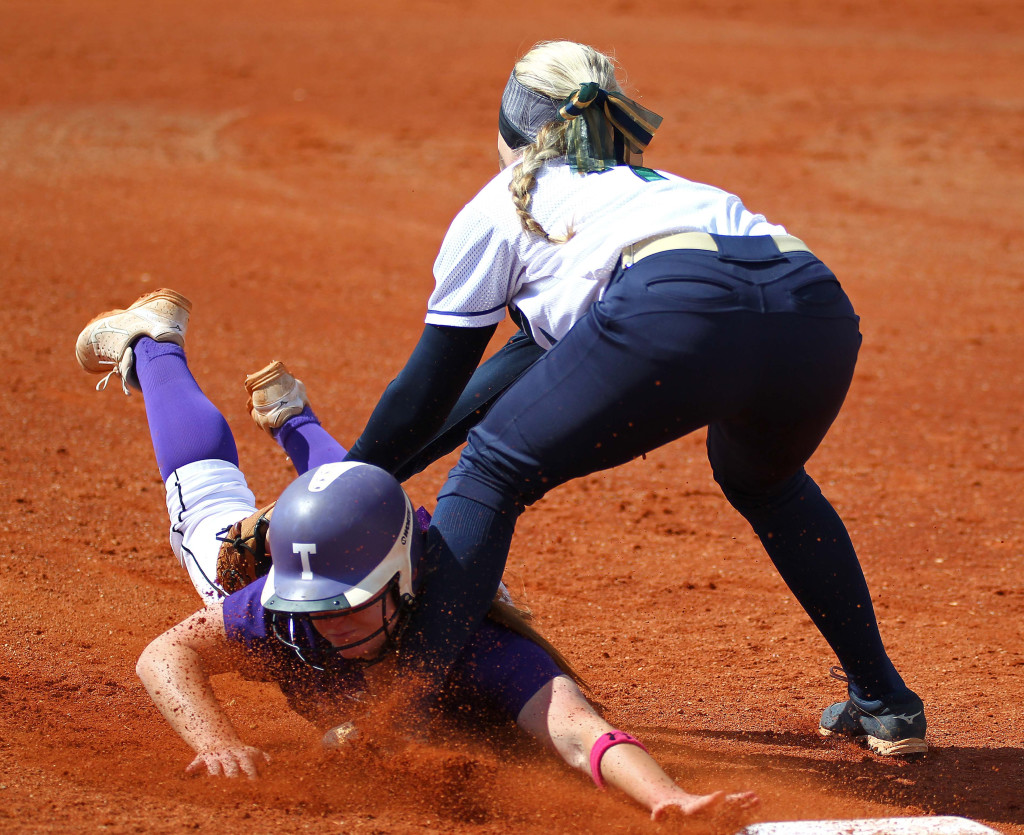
(341, 534)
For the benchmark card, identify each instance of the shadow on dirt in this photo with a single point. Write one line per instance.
(977, 783)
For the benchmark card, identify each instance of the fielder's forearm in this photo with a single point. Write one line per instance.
(418, 401)
(486, 385)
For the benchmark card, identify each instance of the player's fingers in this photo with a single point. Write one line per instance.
(229, 761)
(743, 800)
(250, 762)
(686, 807)
(717, 805)
(207, 759)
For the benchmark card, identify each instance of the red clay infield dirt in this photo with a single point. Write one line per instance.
(292, 167)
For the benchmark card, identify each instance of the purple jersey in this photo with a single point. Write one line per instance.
(498, 669)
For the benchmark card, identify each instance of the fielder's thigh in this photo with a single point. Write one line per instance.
(204, 499)
(802, 383)
(596, 400)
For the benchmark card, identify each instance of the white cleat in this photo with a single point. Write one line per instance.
(105, 345)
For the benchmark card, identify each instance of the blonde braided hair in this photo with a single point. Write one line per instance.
(550, 145)
(555, 69)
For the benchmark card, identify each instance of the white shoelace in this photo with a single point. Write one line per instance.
(102, 384)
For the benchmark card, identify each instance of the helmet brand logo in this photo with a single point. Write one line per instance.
(304, 549)
(406, 526)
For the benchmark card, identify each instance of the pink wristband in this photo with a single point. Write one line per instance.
(604, 742)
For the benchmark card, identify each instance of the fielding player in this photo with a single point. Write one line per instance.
(665, 306)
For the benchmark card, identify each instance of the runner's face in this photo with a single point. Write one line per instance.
(347, 627)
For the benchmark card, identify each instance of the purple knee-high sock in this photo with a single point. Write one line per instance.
(307, 443)
(185, 426)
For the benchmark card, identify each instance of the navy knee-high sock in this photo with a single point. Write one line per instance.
(467, 547)
(184, 425)
(810, 547)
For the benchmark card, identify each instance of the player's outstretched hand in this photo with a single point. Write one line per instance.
(715, 806)
(230, 762)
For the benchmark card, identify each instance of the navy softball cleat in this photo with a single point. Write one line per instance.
(892, 727)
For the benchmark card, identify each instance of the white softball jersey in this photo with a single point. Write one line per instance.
(487, 262)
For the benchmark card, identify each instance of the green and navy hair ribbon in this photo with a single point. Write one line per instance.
(604, 128)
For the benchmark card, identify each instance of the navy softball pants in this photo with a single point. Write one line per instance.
(759, 347)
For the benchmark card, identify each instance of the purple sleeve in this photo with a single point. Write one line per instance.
(243, 615)
(246, 623)
(503, 668)
(321, 694)
(498, 666)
